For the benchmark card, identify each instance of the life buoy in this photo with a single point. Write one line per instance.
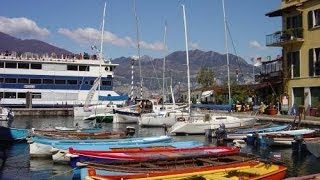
(181, 119)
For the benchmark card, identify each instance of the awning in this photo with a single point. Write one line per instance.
(113, 98)
(278, 12)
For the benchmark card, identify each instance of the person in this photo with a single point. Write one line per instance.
(165, 128)
(262, 108)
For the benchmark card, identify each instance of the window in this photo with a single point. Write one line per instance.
(1, 95)
(11, 65)
(36, 66)
(36, 95)
(72, 68)
(314, 18)
(47, 81)
(22, 95)
(84, 68)
(315, 96)
(72, 82)
(10, 95)
(91, 82)
(1, 80)
(294, 63)
(10, 80)
(23, 80)
(314, 62)
(106, 83)
(58, 81)
(23, 65)
(1, 64)
(35, 81)
(294, 21)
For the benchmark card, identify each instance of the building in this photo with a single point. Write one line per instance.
(300, 42)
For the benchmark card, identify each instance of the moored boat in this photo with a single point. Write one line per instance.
(148, 154)
(13, 134)
(313, 146)
(248, 169)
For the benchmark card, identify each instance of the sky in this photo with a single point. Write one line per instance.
(75, 25)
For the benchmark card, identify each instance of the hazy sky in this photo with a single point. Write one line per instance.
(76, 24)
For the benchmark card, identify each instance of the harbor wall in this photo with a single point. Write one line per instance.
(43, 111)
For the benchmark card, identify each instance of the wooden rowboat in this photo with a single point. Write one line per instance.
(241, 170)
(148, 154)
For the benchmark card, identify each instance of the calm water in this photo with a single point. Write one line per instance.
(18, 165)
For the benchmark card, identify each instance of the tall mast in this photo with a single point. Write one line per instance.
(187, 55)
(138, 45)
(101, 45)
(226, 43)
(164, 64)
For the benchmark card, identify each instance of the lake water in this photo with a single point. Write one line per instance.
(18, 165)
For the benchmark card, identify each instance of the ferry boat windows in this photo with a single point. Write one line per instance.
(106, 83)
(36, 66)
(35, 81)
(72, 82)
(11, 65)
(1, 95)
(1, 80)
(47, 81)
(10, 80)
(1, 64)
(23, 65)
(22, 95)
(23, 80)
(36, 95)
(91, 82)
(10, 95)
(72, 68)
(59, 81)
(84, 68)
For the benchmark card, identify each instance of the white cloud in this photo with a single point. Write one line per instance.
(90, 36)
(193, 45)
(257, 45)
(22, 28)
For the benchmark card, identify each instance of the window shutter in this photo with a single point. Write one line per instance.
(310, 20)
(311, 67)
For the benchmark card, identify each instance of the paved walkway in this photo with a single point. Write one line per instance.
(309, 120)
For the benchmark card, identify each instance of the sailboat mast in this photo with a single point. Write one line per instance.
(187, 55)
(138, 45)
(226, 44)
(164, 64)
(101, 45)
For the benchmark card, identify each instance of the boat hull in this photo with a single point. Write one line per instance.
(13, 134)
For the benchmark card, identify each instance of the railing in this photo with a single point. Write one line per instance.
(284, 36)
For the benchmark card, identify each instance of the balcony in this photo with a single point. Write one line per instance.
(288, 36)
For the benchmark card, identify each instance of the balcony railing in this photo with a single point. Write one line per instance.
(283, 37)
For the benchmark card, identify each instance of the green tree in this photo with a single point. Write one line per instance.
(206, 77)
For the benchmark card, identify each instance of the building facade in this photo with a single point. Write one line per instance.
(300, 42)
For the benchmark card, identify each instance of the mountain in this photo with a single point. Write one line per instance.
(151, 69)
(9, 43)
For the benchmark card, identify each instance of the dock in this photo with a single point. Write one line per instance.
(43, 111)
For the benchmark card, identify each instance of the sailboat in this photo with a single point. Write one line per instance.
(198, 123)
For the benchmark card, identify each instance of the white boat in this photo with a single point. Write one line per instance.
(167, 118)
(199, 123)
(6, 114)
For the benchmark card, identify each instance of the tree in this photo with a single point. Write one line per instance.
(205, 77)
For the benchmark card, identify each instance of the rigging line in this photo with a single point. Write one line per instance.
(155, 72)
(233, 46)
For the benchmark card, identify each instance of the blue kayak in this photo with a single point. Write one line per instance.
(13, 134)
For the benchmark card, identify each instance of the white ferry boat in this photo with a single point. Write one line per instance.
(52, 81)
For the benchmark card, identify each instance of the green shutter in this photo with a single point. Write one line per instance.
(310, 20)
(311, 69)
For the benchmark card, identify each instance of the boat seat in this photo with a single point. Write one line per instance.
(150, 165)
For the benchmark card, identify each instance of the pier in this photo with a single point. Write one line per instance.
(43, 111)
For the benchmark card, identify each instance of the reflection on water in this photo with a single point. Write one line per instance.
(16, 164)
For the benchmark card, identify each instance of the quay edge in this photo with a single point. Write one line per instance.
(43, 111)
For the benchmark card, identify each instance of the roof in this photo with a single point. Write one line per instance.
(278, 12)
